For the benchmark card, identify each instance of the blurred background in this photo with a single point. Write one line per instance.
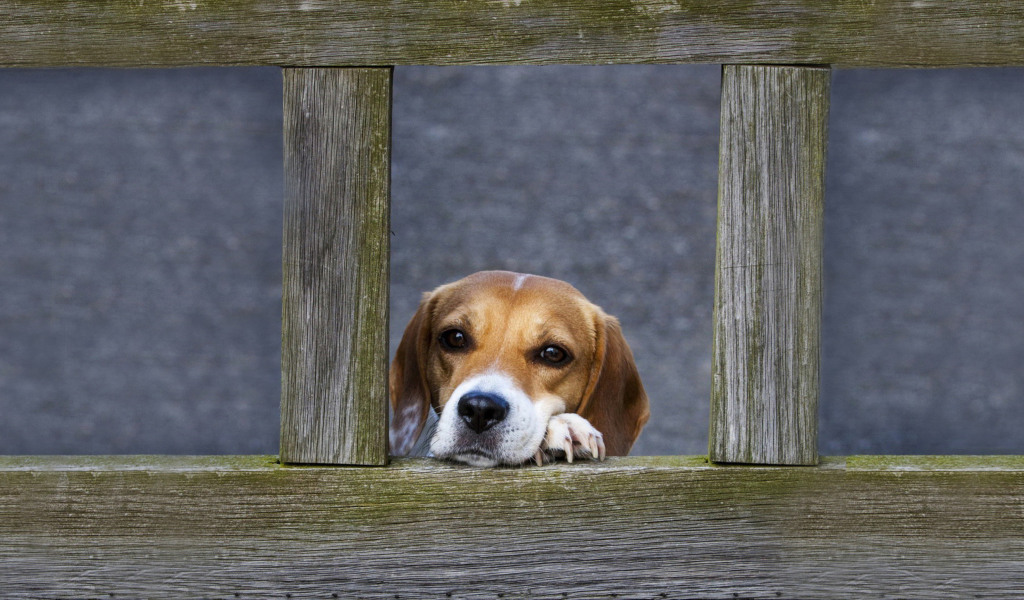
(140, 236)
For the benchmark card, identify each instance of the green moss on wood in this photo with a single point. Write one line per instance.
(935, 463)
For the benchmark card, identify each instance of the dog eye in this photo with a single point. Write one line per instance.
(555, 355)
(454, 339)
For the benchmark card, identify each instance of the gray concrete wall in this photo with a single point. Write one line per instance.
(140, 231)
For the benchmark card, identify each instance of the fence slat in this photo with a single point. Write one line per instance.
(334, 348)
(767, 324)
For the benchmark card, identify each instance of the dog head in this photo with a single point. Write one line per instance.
(496, 355)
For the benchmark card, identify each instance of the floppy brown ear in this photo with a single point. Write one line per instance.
(410, 397)
(617, 403)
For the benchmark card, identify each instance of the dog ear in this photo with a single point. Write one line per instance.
(410, 396)
(616, 403)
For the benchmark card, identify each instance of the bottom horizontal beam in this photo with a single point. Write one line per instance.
(650, 527)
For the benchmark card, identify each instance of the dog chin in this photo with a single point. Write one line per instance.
(474, 459)
(477, 458)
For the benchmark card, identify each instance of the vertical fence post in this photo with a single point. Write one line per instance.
(767, 315)
(334, 347)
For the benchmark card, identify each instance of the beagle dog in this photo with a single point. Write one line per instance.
(518, 368)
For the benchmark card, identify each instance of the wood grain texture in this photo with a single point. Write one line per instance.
(334, 347)
(848, 33)
(767, 313)
(659, 527)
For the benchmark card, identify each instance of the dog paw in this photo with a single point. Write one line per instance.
(572, 436)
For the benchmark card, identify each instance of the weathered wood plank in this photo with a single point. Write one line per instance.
(675, 527)
(767, 313)
(887, 33)
(334, 347)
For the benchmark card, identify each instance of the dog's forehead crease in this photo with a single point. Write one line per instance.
(534, 307)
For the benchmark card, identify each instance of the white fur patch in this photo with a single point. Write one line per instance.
(410, 421)
(518, 283)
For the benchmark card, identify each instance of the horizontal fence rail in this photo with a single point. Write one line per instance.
(883, 33)
(659, 527)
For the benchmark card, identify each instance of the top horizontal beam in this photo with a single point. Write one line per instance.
(844, 33)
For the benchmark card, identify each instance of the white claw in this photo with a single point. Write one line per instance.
(567, 446)
(539, 458)
(600, 447)
(592, 444)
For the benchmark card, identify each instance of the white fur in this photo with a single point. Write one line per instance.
(513, 441)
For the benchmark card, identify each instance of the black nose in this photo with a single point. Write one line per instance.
(482, 411)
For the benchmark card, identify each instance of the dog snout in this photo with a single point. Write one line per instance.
(481, 411)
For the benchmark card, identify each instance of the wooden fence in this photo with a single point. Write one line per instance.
(764, 518)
